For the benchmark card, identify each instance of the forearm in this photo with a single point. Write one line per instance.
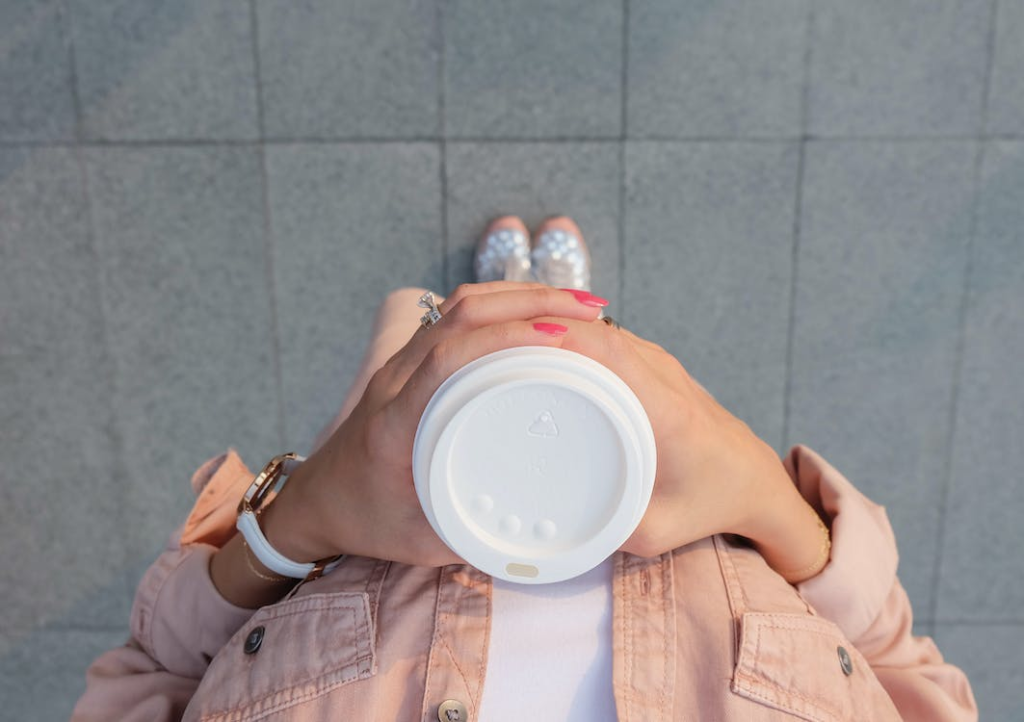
(239, 575)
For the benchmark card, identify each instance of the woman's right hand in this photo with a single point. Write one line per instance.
(356, 494)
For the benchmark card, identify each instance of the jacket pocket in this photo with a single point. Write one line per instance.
(287, 654)
(805, 666)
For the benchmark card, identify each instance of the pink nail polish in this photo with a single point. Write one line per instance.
(552, 329)
(587, 298)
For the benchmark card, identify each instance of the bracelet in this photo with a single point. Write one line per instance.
(252, 567)
(276, 470)
(795, 576)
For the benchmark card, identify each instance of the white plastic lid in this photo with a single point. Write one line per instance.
(534, 464)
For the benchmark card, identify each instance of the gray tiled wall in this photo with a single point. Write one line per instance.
(817, 205)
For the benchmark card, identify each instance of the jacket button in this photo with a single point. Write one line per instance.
(844, 661)
(452, 710)
(253, 641)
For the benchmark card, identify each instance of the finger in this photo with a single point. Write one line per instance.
(466, 290)
(513, 302)
(449, 355)
(609, 346)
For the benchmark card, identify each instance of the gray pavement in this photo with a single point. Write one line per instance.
(817, 205)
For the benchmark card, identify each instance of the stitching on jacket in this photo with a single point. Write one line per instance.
(666, 571)
(812, 714)
(431, 654)
(488, 586)
(628, 646)
(257, 708)
(239, 714)
(733, 587)
(815, 704)
(148, 643)
(455, 663)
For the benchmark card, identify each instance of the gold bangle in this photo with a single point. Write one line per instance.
(252, 567)
(796, 576)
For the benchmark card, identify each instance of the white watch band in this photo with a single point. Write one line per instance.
(249, 526)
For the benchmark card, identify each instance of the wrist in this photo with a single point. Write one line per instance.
(789, 534)
(290, 521)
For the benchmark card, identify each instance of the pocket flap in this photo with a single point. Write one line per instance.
(289, 653)
(804, 665)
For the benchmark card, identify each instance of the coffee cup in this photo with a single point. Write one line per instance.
(534, 464)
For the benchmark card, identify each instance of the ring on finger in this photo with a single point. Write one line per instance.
(611, 322)
(433, 315)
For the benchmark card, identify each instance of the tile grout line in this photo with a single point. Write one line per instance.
(112, 362)
(962, 312)
(268, 238)
(798, 204)
(110, 358)
(623, 178)
(442, 119)
(596, 140)
(64, 20)
(986, 88)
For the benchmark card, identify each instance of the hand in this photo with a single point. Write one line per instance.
(356, 494)
(714, 474)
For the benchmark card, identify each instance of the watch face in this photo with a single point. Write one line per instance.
(534, 464)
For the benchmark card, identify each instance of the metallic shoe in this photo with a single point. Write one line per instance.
(560, 256)
(503, 252)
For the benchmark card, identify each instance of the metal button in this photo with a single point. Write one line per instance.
(452, 710)
(844, 661)
(254, 640)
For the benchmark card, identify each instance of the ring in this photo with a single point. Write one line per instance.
(611, 322)
(433, 315)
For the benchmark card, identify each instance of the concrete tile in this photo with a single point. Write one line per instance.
(534, 181)
(1006, 89)
(990, 657)
(55, 407)
(723, 69)
(883, 250)
(922, 629)
(36, 101)
(533, 69)
(181, 240)
(981, 564)
(906, 69)
(708, 252)
(350, 223)
(356, 69)
(157, 70)
(42, 672)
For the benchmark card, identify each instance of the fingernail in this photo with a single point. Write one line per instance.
(587, 298)
(552, 329)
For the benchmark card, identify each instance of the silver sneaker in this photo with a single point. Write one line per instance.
(503, 253)
(560, 256)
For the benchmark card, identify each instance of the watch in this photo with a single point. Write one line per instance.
(276, 470)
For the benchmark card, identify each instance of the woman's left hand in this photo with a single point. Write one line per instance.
(714, 474)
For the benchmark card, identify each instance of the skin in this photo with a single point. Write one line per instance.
(355, 494)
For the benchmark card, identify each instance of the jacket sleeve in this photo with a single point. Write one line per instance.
(179, 620)
(860, 592)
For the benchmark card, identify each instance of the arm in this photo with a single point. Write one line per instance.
(179, 621)
(860, 592)
(355, 495)
(716, 476)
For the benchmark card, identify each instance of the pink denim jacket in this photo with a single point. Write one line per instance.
(705, 632)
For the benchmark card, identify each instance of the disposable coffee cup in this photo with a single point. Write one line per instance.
(534, 464)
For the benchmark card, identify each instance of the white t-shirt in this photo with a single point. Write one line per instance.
(550, 653)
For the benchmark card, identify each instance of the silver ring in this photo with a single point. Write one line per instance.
(433, 315)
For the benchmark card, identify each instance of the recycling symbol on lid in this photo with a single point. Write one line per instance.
(543, 425)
